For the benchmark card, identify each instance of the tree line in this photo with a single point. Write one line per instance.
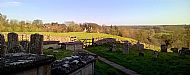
(172, 35)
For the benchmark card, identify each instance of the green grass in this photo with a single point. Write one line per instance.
(166, 64)
(102, 68)
(84, 35)
(59, 55)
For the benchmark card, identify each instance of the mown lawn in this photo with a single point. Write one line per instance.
(166, 64)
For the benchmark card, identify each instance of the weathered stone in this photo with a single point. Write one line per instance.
(12, 42)
(113, 47)
(2, 39)
(24, 45)
(36, 44)
(2, 45)
(155, 55)
(126, 47)
(175, 50)
(93, 42)
(184, 51)
(141, 48)
(164, 48)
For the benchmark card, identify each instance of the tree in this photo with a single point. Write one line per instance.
(187, 36)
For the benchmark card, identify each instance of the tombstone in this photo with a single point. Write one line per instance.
(36, 44)
(2, 45)
(24, 45)
(164, 48)
(13, 42)
(175, 50)
(141, 48)
(184, 51)
(155, 55)
(113, 48)
(126, 47)
(2, 39)
(93, 42)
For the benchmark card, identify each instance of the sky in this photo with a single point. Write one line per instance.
(115, 12)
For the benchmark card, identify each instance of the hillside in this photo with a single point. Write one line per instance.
(84, 35)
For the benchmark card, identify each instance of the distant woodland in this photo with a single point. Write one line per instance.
(172, 35)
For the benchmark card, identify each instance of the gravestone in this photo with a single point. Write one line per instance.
(92, 41)
(140, 47)
(2, 39)
(2, 45)
(155, 55)
(24, 45)
(36, 44)
(164, 48)
(113, 47)
(175, 50)
(13, 43)
(184, 51)
(126, 47)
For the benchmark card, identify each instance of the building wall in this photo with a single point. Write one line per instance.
(54, 46)
(74, 47)
(87, 70)
(70, 47)
(42, 70)
(78, 47)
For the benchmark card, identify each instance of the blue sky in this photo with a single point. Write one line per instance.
(118, 12)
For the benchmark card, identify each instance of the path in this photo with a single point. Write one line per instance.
(121, 68)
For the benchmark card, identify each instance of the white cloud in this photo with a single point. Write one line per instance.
(10, 4)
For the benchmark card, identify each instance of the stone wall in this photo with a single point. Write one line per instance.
(86, 70)
(42, 70)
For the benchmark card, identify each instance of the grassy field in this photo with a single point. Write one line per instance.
(84, 35)
(166, 64)
(101, 68)
(60, 54)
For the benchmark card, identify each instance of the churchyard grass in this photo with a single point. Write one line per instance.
(165, 64)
